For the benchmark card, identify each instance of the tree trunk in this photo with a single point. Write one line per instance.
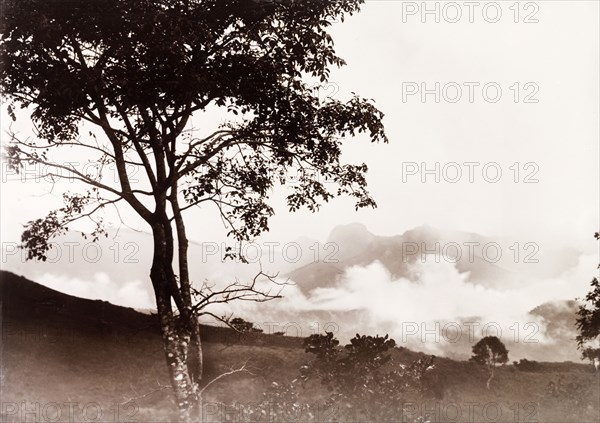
(487, 384)
(177, 330)
(195, 362)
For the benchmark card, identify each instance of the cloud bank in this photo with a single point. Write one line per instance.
(439, 310)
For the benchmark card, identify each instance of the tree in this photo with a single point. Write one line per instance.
(136, 71)
(490, 352)
(588, 321)
(243, 326)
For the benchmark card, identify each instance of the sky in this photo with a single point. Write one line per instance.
(493, 122)
(551, 141)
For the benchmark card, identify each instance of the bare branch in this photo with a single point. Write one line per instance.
(237, 291)
(78, 175)
(138, 147)
(160, 388)
(89, 214)
(243, 368)
(204, 159)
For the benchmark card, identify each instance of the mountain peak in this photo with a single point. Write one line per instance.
(422, 231)
(352, 239)
(354, 229)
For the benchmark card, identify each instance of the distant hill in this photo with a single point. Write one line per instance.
(31, 308)
(58, 349)
(28, 303)
(74, 264)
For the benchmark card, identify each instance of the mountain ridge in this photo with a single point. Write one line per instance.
(397, 252)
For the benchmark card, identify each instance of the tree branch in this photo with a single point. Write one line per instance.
(243, 368)
(147, 394)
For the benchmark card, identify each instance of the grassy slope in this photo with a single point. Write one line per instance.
(58, 349)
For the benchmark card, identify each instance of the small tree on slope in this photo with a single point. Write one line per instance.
(490, 352)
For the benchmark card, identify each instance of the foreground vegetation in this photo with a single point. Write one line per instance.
(67, 359)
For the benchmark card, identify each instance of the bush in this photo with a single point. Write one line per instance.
(572, 396)
(364, 380)
(241, 325)
(525, 365)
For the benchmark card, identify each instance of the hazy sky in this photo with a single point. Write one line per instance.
(392, 56)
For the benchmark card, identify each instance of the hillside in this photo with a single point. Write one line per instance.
(58, 350)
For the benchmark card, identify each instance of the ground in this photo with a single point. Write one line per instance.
(66, 359)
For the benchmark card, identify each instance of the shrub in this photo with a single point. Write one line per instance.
(525, 365)
(363, 379)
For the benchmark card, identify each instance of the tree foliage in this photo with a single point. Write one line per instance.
(588, 320)
(490, 351)
(138, 69)
(527, 365)
(243, 326)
